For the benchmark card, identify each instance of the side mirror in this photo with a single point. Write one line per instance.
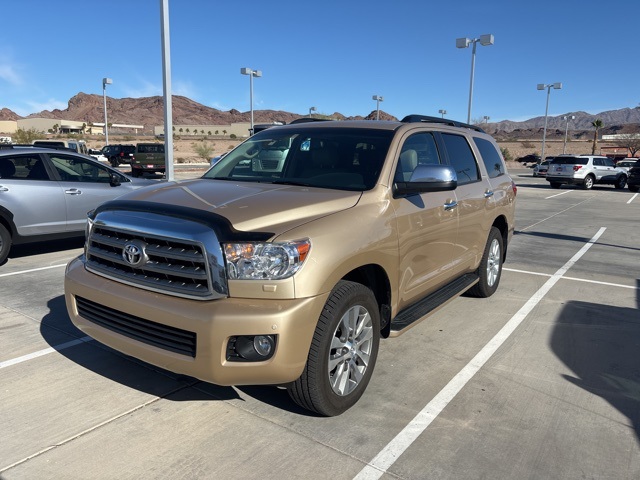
(114, 180)
(428, 178)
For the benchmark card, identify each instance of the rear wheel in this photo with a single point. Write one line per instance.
(5, 243)
(490, 268)
(588, 182)
(633, 188)
(555, 184)
(114, 161)
(135, 172)
(343, 352)
(621, 181)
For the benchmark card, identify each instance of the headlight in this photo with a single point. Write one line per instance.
(265, 261)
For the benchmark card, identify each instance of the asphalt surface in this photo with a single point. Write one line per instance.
(540, 381)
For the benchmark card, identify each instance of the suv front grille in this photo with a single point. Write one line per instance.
(145, 331)
(173, 266)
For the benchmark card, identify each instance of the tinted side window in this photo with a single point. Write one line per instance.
(598, 162)
(73, 169)
(23, 167)
(418, 149)
(490, 157)
(461, 158)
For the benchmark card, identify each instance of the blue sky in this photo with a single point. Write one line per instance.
(334, 55)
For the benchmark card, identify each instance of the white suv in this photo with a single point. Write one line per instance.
(585, 170)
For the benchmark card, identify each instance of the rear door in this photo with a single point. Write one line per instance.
(476, 203)
(32, 196)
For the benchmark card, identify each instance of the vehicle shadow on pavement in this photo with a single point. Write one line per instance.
(48, 246)
(599, 343)
(572, 238)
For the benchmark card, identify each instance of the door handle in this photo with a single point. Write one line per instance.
(450, 205)
(73, 191)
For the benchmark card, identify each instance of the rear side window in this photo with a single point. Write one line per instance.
(461, 158)
(570, 161)
(490, 157)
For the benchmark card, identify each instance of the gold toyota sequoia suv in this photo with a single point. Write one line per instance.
(289, 260)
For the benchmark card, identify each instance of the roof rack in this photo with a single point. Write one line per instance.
(445, 121)
(308, 119)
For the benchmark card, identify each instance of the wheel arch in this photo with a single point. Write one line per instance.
(375, 278)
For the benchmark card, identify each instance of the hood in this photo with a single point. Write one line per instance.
(251, 206)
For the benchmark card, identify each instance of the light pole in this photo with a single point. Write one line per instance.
(542, 86)
(378, 99)
(566, 130)
(312, 109)
(486, 119)
(105, 82)
(251, 73)
(484, 40)
(442, 112)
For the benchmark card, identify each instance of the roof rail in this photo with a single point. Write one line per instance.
(426, 119)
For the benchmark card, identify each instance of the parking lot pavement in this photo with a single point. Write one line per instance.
(539, 381)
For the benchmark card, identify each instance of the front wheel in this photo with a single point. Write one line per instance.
(343, 352)
(5, 243)
(114, 161)
(633, 188)
(490, 269)
(621, 182)
(135, 172)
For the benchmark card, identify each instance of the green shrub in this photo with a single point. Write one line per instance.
(204, 150)
(506, 154)
(27, 136)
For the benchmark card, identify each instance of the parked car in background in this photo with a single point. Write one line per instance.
(149, 158)
(540, 169)
(626, 163)
(47, 193)
(529, 159)
(118, 154)
(633, 180)
(79, 146)
(586, 171)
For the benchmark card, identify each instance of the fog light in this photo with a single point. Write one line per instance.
(252, 348)
(263, 345)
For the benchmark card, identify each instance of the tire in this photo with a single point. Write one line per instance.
(588, 182)
(490, 269)
(114, 161)
(621, 182)
(5, 243)
(555, 184)
(633, 188)
(135, 172)
(343, 352)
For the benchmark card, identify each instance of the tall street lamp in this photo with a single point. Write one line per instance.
(251, 73)
(484, 40)
(566, 130)
(486, 119)
(105, 82)
(312, 109)
(378, 99)
(442, 112)
(542, 86)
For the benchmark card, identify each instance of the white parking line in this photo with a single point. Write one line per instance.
(46, 351)
(396, 447)
(632, 198)
(558, 194)
(617, 285)
(32, 270)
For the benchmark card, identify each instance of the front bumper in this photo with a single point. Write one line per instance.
(213, 323)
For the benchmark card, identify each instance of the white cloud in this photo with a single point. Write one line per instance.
(9, 74)
(50, 104)
(147, 89)
(220, 106)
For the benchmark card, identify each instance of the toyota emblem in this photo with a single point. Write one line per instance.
(134, 253)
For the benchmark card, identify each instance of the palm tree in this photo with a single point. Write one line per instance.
(597, 124)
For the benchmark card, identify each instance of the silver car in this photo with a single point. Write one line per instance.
(47, 193)
(586, 171)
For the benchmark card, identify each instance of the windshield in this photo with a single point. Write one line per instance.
(337, 158)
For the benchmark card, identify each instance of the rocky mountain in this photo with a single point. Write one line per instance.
(149, 111)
